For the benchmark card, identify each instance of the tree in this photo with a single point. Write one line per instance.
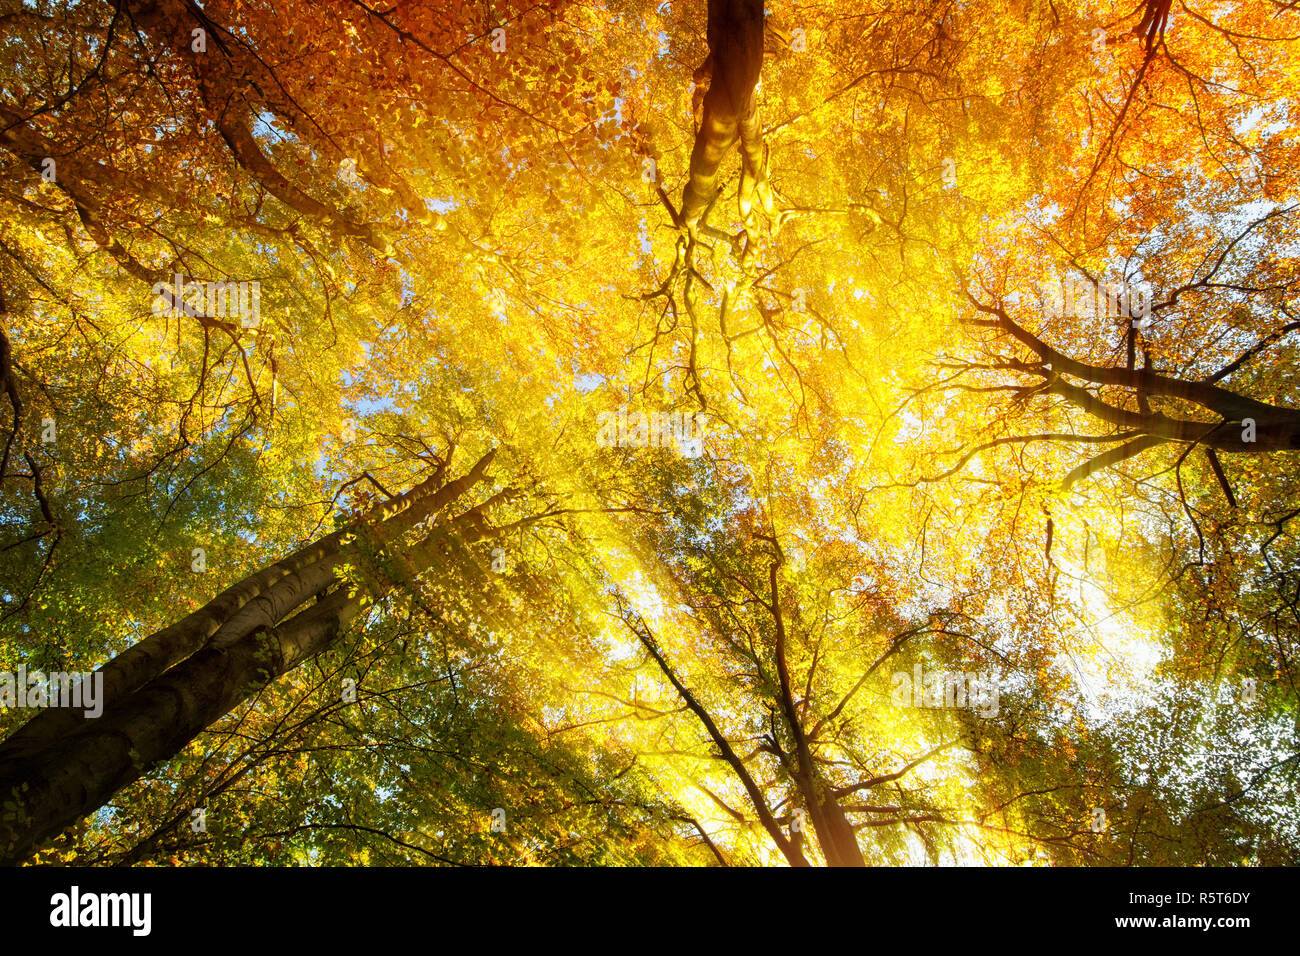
(853, 248)
(165, 689)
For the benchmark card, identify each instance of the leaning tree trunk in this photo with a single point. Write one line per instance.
(165, 690)
(1246, 425)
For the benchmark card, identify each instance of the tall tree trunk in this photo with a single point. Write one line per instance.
(789, 848)
(165, 690)
(735, 34)
(834, 832)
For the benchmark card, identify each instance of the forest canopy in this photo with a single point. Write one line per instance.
(704, 432)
